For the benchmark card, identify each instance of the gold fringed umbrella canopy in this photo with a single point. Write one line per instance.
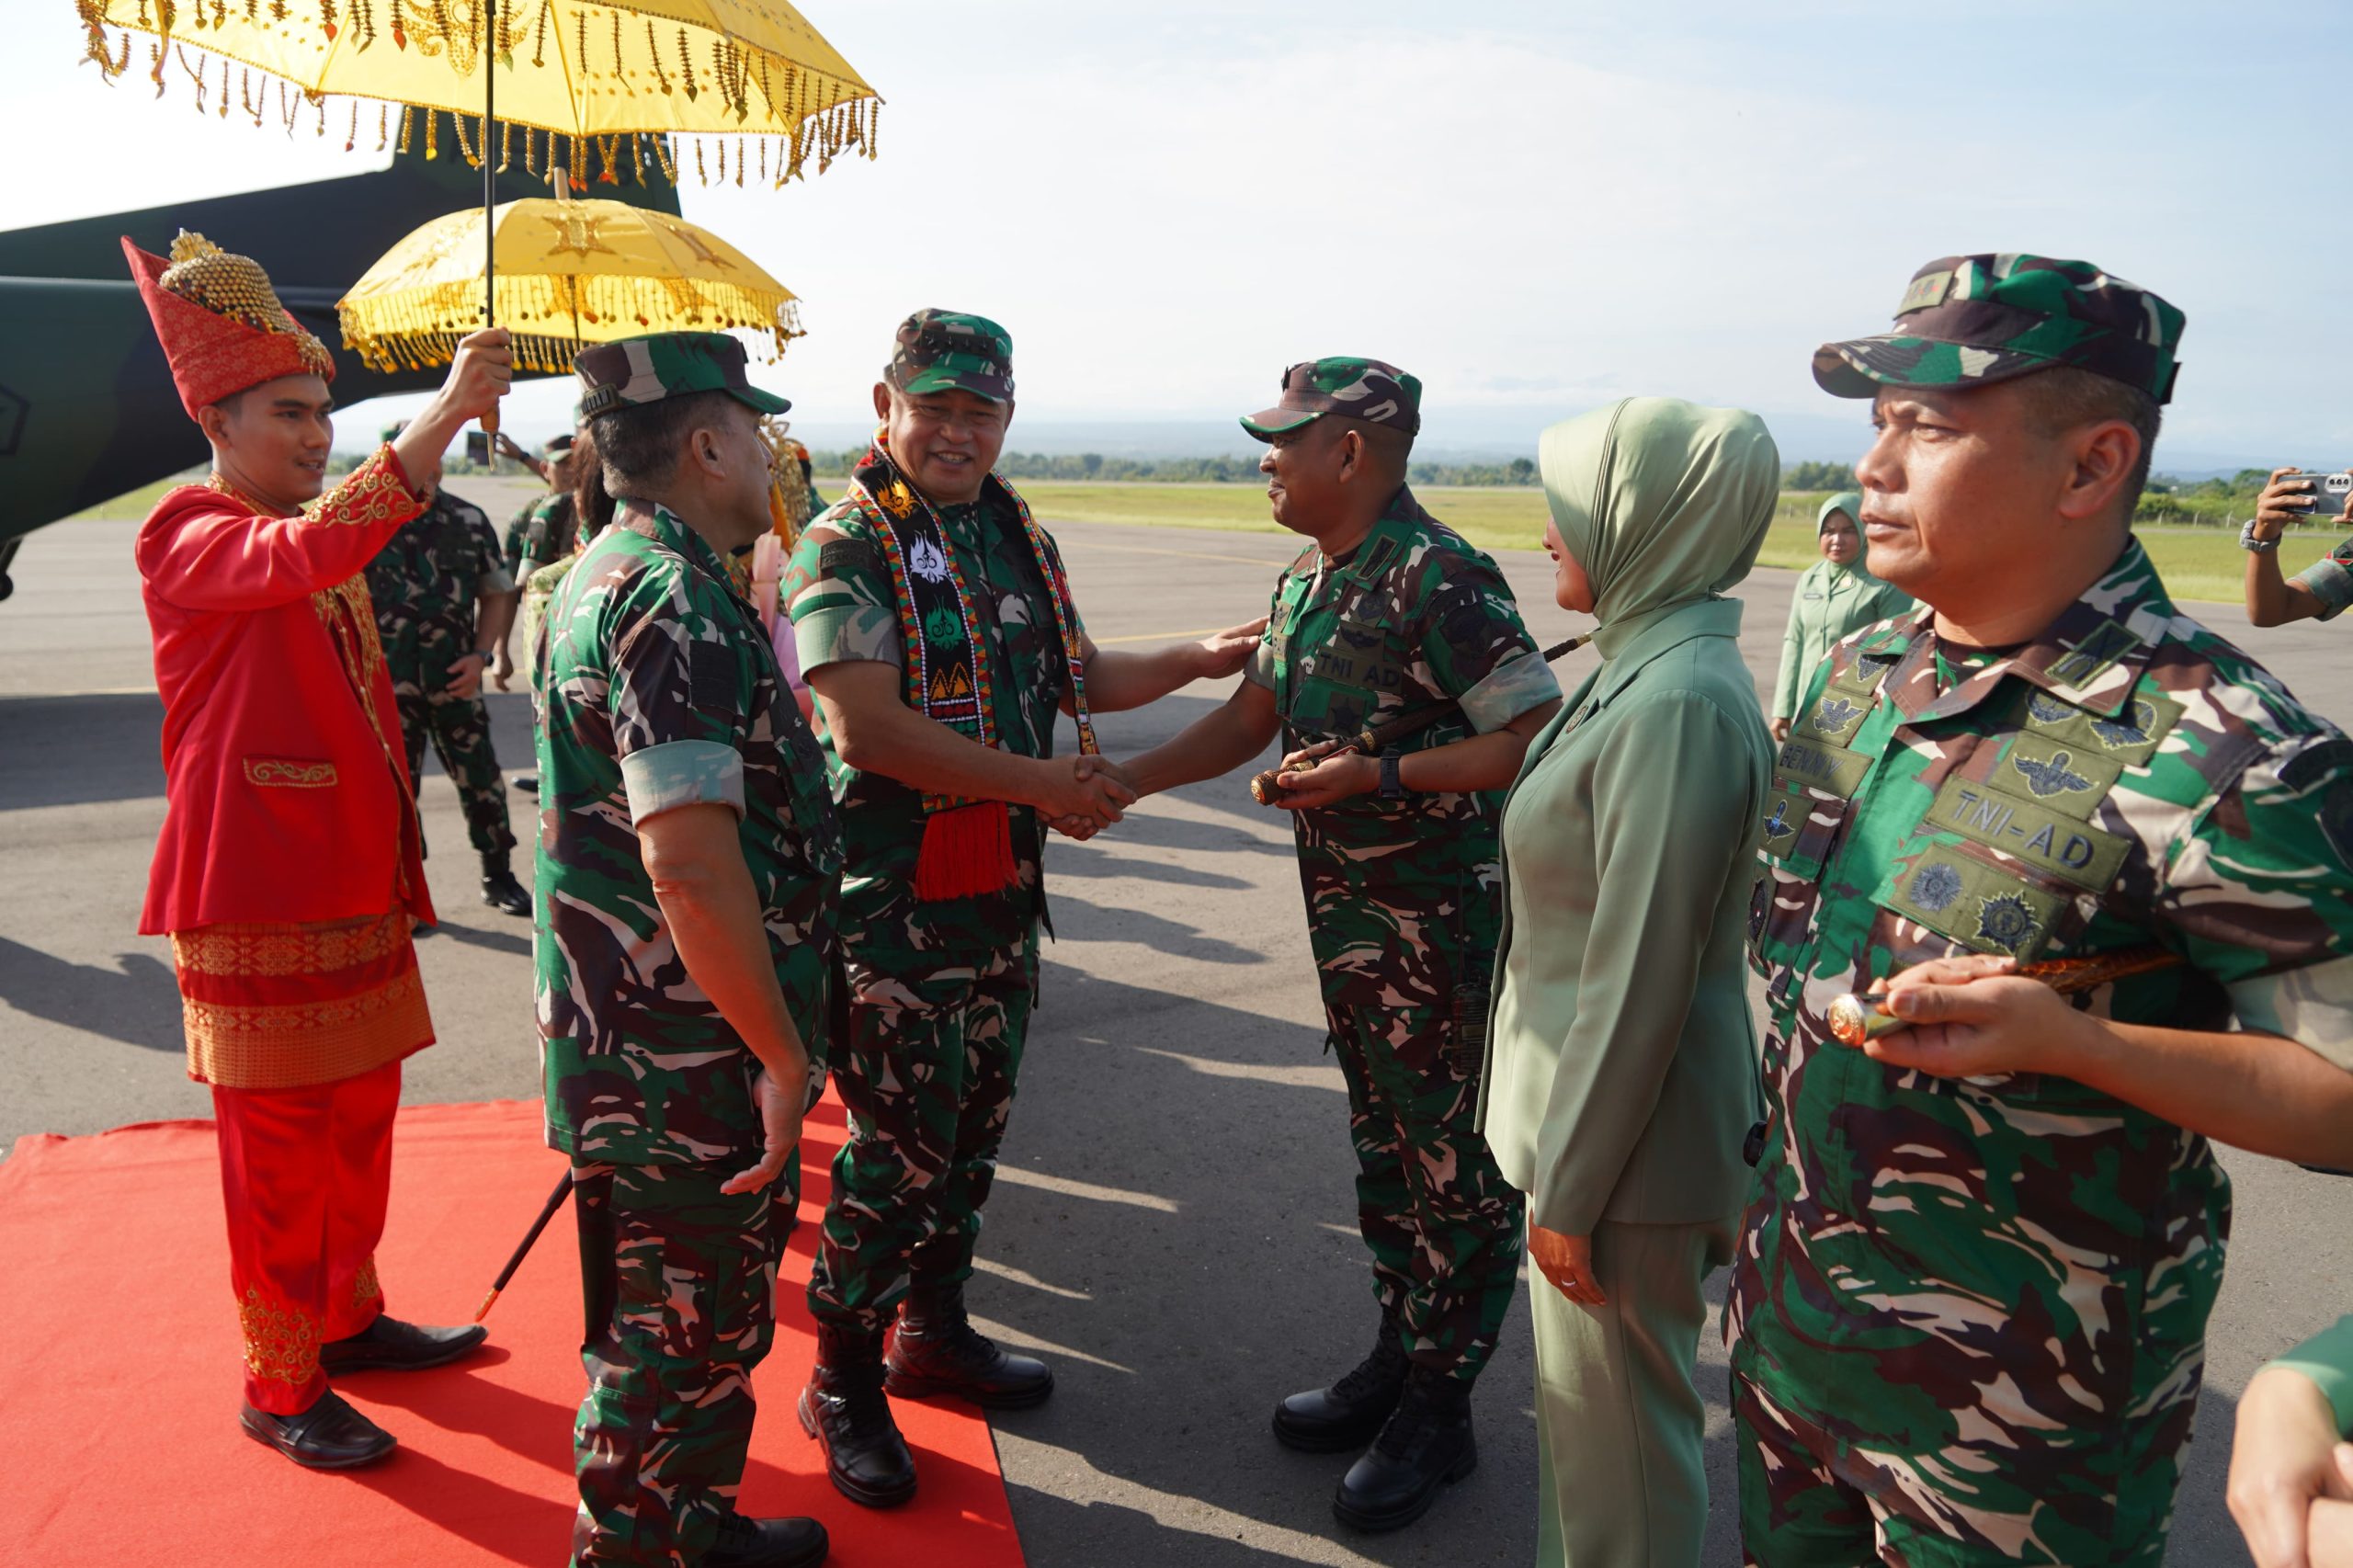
(750, 76)
(566, 273)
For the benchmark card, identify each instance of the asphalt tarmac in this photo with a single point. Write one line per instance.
(1174, 1222)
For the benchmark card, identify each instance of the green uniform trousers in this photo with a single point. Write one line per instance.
(1808, 1500)
(926, 1071)
(679, 1294)
(459, 728)
(1442, 1224)
(1619, 1423)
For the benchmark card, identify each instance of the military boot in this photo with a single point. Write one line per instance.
(1426, 1444)
(937, 1350)
(1349, 1414)
(845, 1410)
(499, 888)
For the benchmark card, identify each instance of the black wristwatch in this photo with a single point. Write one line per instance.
(1392, 786)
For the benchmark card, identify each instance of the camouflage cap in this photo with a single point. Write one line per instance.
(665, 365)
(953, 351)
(1353, 388)
(1970, 320)
(558, 445)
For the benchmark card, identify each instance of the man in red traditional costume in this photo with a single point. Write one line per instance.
(287, 873)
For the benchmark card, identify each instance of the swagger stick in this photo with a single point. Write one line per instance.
(1267, 788)
(1856, 1018)
(547, 1211)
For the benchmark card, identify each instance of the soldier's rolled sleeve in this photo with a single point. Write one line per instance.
(1471, 641)
(2330, 580)
(497, 580)
(682, 773)
(674, 702)
(1517, 684)
(2260, 896)
(842, 608)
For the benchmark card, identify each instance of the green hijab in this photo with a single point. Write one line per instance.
(1661, 502)
(1851, 502)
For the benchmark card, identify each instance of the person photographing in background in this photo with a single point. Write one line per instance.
(2321, 591)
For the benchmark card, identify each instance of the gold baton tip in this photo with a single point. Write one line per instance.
(483, 1310)
(1854, 1019)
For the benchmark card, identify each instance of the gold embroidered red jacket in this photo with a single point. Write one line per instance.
(285, 787)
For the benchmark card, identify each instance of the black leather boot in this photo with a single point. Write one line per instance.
(766, 1543)
(936, 1351)
(328, 1436)
(499, 888)
(845, 1410)
(1349, 1414)
(1425, 1445)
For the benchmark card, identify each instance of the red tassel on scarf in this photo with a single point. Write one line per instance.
(966, 850)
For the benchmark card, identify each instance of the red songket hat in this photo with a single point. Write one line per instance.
(222, 326)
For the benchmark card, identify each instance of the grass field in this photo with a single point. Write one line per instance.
(2197, 564)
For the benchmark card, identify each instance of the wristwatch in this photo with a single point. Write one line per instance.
(1392, 786)
(2259, 546)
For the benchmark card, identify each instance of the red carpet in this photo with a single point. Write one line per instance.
(119, 1385)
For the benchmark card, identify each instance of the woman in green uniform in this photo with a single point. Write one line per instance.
(1835, 596)
(1621, 1076)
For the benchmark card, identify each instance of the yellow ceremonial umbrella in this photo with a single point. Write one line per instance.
(752, 75)
(565, 273)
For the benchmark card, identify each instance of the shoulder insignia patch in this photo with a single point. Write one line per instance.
(848, 553)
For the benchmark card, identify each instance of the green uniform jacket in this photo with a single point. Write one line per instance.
(1622, 1076)
(1830, 602)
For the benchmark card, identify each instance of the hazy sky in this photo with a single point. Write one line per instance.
(1535, 207)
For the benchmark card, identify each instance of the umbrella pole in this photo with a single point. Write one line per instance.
(490, 184)
(562, 183)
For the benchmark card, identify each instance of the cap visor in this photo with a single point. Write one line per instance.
(1269, 422)
(1859, 367)
(994, 388)
(764, 402)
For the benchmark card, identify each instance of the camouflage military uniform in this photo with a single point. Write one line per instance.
(1403, 906)
(661, 692)
(426, 583)
(519, 529)
(939, 992)
(550, 530)
(2330, 580)
(1968, 1315)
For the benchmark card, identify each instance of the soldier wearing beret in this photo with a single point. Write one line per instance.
(936, 624)
(1388, 611)
(689, 858)
(444, 602)
(1969, 1303)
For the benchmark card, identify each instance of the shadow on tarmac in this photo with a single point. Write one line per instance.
(138, 1002)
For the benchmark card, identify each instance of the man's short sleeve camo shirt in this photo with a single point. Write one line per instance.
(1414, 617)
(839, 594)
(2022, 1261)
(2330, 580)
(662, 691)
(426, 582)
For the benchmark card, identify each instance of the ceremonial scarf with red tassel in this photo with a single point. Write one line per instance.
(967, 844)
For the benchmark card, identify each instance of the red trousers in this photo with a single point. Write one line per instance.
(304, 1176)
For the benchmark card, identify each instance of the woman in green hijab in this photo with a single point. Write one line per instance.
(1621, 1076)
(1835, 596)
